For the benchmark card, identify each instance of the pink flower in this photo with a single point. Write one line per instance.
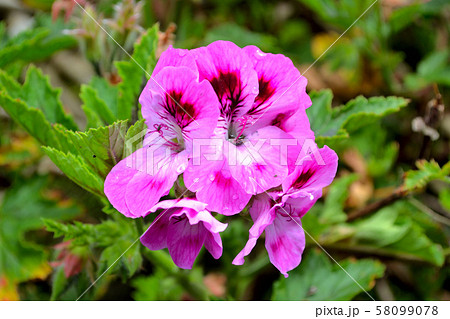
(259, 94)
(184, 227)
(177, 109)
(233, 123)
(279, 214)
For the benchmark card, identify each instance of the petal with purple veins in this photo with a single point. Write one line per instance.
(231, 74)
(184, 241)
(155, 237)
(177, 105)
(316, 171)
(154, 179)
(263, 215)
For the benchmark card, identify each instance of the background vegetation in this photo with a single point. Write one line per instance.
(68, 97)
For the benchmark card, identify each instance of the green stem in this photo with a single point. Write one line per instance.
(140, 230)
(139, 226)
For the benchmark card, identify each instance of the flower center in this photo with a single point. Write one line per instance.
(176, 144)
(235, 132)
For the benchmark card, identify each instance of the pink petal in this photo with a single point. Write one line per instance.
(282, 89)
(285, 242)
(316, 171)
(155, 178)
(155, 237)
(179, 106)
(214, 184)
(263, 215)
(185, 241)
(298, 206)
(213, 243)
(211, 224)
(115, 185)
(260, 165)
(298, 126)
(180, 203)
(176, 58)
(230, 72)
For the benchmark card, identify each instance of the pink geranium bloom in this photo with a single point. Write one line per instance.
(259, 94)
(279, 214)
(233, 123)
(178, 109)
(184, 227)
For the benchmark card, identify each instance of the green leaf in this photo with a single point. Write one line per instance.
(157, 287)
(325, 220)
(434, 68)
(85, 157)
(404, 16)
(330, 124)
(444, 198)
(38, 93)
(393, 232)
(134, 137)
(117, 239)
(20, 211)
(37, 96)
(415, 243)
(333, 209)
(100, 148)
(339, 13)
(31, 119)
(76, 168)
(105, 103)
(317, 278)
(100, 101)
(134, 71)
(427, 171)
(59, 283)
(129, 252)
(94, 104)
(81, 234)
(34, 45)
(93, 119)
(381, 229)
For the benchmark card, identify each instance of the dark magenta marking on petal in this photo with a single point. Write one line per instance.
(277, 243)
(279, 119)
(266, 91)
(178, 219)
(303, 178)
(228, 87)
(184, 113)
(259, 167)
(286, 211)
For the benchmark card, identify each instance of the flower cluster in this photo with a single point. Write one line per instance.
(231, 121)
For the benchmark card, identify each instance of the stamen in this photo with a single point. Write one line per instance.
(246, 119)
(159, 129)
